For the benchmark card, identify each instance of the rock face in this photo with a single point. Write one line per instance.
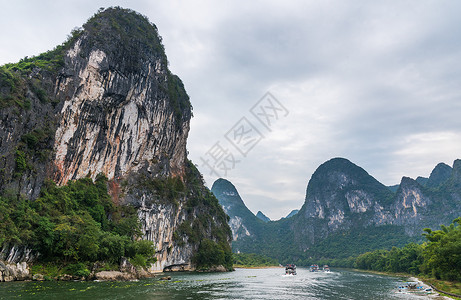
(159, 223)
(340, 196)
(14, 263)
(117, 116)
(18, 271)
(108, 104)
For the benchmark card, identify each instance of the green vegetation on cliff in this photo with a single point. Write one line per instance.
(16, 79)
(73, 224)
(208, 230)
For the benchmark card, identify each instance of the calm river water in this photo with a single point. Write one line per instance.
(241, 284)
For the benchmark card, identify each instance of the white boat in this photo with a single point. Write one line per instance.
(290, 269)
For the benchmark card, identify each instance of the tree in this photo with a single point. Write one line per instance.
(442, 256)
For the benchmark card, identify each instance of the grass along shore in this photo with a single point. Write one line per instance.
(255, 267)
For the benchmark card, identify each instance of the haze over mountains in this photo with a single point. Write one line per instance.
(346, 206)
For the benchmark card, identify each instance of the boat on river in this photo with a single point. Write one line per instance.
(326, 268)
(290, 269)
(415, 288)
(314, 268)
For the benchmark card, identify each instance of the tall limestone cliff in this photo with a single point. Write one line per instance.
(106, 102)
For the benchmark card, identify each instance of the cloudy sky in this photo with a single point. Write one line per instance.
(377, 83)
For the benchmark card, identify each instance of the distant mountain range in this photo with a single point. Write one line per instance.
(346, 212)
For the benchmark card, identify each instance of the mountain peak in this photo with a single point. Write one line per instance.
(228, 196)
(341, 165)
(224, 184)
(243, 222)
(342, 174)
(441, 173)
(408, 182)
(126, 37)
(457, 169)
(262, 217)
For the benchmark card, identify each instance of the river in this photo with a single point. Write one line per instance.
(241, 284)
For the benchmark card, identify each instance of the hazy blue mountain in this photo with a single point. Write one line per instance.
(262, 217)
(292, 213)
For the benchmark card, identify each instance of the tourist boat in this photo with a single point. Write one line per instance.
(314, 268)
(414, 288)
(290, 269)
(326, 268)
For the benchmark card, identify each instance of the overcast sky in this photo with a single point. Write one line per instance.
(376, 83)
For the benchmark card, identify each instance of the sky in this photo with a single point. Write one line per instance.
(279, 87)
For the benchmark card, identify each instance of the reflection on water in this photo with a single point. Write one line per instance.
(241, 284)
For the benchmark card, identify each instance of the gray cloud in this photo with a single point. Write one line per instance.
(377, 83)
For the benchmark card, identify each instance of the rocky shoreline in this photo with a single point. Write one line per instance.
(21, 271)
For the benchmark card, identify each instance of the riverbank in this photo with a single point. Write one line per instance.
(444, 288)
(255, 267)
(451, 289)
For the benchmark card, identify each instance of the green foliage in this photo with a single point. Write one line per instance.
(78, 269)
(208, 230)
(253, 260)
(211, 254)
(74, 224)
(359, 240)
(165, 188)
(127, 36)
(50, 61)
(11, 88)
(49, 269)
(39, 92)
(439, 257)
(37, 138)
(442, 256)
(179, 99)
(20, 159)
(17, 220)
(407, 259)
(15, 78)
(113, 246)
(138, 260)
